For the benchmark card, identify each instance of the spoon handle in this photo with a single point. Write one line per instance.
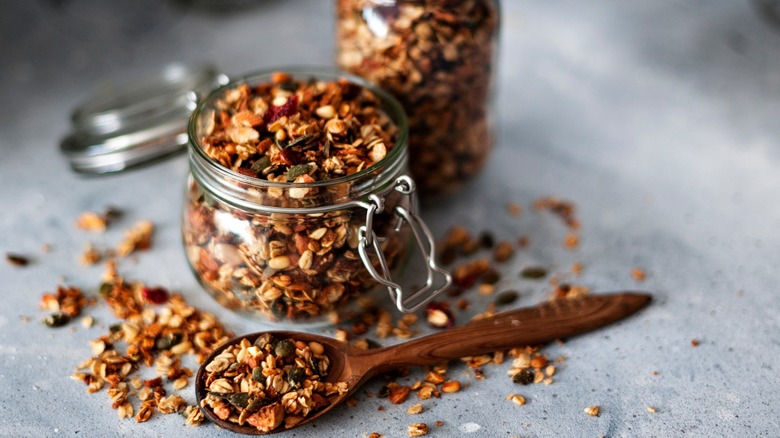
(516, 328)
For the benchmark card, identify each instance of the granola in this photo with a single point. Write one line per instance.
(437, 58)
(269, 383)
(298, 130)
(291, 143)
(157, 337)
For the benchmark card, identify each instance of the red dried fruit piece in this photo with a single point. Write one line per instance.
(247, 172)
(155, 295)
(275, 113)
(289, 157)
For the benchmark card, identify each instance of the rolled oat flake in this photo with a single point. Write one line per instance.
(137, 123)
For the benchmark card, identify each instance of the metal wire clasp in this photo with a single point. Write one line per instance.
(369, 242)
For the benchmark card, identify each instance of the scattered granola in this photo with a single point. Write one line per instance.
(65, 304)
(651, 410)
(415, 409)
(695, 342)
(564, 209)
(269, 383)
(439, 315)
(638, 274)
(593, 410)
(437, 59)
(139, 237)
(89, 220)
(90, 256)
(516, 399)
(417, 429)
(17, 259)
(450, 386)
(152, 337)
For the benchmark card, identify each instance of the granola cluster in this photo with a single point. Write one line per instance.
(437, 58)
(287, 266)
(269, 383)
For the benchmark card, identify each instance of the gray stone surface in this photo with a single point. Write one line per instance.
(659, 119)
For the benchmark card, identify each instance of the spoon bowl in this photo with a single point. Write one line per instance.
(528, 326)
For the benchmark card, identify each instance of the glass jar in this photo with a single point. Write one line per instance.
(301, 252)
(438, 58)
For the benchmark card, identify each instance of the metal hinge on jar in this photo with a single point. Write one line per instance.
(368, 246)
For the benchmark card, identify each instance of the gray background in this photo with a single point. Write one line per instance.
(659, 119)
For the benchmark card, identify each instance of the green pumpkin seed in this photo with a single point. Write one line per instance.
(285, 348)
(533, 272)
(296, 375)
(56, 320)
(239, 399)
(507, 297)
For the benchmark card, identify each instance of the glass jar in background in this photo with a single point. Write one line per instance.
(292, 249)
(438, 58)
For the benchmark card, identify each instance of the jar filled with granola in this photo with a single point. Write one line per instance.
(297, 201)
(438, 58)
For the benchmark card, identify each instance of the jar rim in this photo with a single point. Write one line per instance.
(389, 104)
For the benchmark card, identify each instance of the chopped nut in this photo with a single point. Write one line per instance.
(417, 429)
(593, 410)
(539, 362)
(651, 409)
(516, 399)
(137, 238)
(450, 386)
(194, 416)
(87, 321)
(503, 252)
(92, 221)
(267, 418)
(125, 410)
(415, 409)
(399, 394)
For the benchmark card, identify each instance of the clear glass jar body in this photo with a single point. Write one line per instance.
(438, 58)
(288, 252)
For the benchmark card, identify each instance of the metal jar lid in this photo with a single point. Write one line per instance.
(137, 123)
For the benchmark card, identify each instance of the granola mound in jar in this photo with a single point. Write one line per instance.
(269, 383)
(437, 57)
(281, 167)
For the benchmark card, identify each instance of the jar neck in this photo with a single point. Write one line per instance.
(254, 194)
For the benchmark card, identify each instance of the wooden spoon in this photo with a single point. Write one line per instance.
(516, 328)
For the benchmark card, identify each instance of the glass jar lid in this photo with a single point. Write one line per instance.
(137, 123)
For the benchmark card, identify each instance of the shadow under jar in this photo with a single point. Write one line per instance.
(297, 198)
(438, 58)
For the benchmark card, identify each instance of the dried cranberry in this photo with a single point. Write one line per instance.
(275, 113)
(289, 157)
(247, 172)
(155, 295)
